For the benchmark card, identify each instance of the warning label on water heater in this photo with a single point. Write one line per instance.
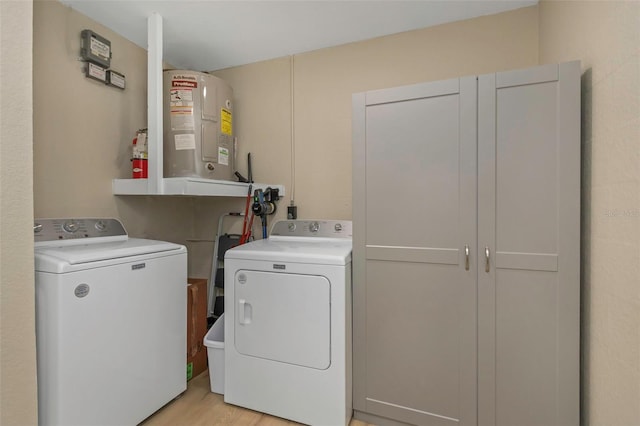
(182, 118)
(181, 97)
(226, 124)
(181, 102)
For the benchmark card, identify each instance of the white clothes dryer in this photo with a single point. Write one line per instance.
(288, 327)
(110, 323)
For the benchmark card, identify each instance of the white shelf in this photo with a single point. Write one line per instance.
(188, 186)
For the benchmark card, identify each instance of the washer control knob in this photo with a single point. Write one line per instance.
(292, 226)
(314, 226)
(101, 225)
(338, 227)
(70, 227)
(37, 227)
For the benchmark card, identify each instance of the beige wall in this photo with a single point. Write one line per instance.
(18, 404)
(324, 81)
(606, 37)
(81, 126)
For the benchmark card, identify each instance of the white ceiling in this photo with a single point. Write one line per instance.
(208, 35)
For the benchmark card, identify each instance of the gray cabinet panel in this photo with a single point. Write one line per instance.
(534, 75)
(568, 327)
(529, 261)
(359, 255)
(526, 318)
(414, 300)
(486, 211)
(413, 254)
(412, 347)
(414, 91)
(412, 159)
(476, 165)
(528, 208)
(527, 168)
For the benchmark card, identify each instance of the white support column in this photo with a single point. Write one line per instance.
(154, 103)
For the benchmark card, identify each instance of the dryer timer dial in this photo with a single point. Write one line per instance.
(70, 226)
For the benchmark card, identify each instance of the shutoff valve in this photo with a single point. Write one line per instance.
(264, 201)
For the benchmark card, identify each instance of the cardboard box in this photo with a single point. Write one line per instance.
(196, 326)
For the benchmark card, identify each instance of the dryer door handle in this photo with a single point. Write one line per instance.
(244, 312)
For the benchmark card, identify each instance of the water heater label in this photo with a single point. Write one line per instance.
(226, 124)
(185, 142)
(182, 118)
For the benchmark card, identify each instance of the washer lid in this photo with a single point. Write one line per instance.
(296, 249)
(50, 259)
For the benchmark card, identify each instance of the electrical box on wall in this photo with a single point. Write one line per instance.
(96, 72)
(115, 79)
(95, 48)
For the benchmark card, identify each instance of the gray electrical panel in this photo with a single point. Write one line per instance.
(95, 48)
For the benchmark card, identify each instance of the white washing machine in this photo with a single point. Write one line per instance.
(110, 323)
(288, 323)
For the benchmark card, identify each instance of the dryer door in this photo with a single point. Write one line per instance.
(283, 317)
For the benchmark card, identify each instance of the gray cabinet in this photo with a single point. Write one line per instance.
(466, 250)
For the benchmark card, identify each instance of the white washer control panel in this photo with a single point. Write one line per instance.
(68, 229)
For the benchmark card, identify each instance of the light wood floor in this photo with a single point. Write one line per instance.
(199, 406)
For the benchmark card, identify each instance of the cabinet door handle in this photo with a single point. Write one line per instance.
(487, 255)
(466, 258)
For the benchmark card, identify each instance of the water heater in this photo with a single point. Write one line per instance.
(198, 126)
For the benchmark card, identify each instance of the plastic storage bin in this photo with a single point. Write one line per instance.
(214, 341)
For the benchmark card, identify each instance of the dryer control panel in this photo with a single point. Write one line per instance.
(74, 229)
(313, 228)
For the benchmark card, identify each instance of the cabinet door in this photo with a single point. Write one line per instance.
(529, 223)
(414, 212)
